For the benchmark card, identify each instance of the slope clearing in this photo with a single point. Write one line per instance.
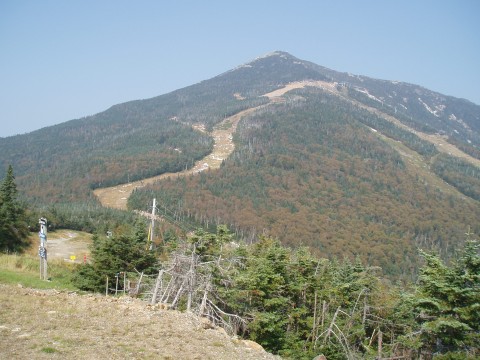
(117, 196)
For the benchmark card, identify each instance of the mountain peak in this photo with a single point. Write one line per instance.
(280, 53)
(276, 54)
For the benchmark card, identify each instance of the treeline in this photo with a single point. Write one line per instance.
(88, 216)
(309, 172)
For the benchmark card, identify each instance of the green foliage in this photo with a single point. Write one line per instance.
(459, 173)
(311, 173)
(13, 227)
(82, 216)
(113, 255)
(279, 291)
(447, 304)
(299, 306)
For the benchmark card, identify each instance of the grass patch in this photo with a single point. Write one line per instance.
(49, 350)
(25, 270)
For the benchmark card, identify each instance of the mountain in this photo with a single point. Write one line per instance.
(345, 164)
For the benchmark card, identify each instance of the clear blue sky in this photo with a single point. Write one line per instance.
(61, 60)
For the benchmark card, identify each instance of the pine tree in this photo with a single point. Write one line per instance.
(8, 193)
(447, 303)
(113, 255)
(13, 228)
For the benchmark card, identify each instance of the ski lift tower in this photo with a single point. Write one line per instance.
(42, 250)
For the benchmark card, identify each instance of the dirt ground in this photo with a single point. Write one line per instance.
(73, 246)
(48, 324)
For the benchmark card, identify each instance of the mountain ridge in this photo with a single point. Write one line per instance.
(308, 168)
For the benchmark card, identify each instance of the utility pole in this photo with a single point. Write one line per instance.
(152, 226)
(42, 250)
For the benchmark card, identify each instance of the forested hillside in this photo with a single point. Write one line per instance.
(420, 108)
(312, 171)
(346, 167)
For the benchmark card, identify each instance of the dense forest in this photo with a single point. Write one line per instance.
(330, 184)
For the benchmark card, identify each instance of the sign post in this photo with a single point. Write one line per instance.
(42, 250)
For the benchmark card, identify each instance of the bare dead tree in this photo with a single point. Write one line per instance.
(187, 279)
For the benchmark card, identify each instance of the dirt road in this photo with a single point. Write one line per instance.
(67, 245)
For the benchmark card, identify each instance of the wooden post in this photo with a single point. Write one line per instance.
(116, 284)
(137, 289)
(314, 332)
(380, 338)
(106, 288)
(157, 286)
(124, 281)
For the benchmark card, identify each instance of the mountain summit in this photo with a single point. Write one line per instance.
(345, 164)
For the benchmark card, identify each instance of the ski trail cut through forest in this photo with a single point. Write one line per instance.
(116, 196)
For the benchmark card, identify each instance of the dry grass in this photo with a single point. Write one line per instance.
(48, 324)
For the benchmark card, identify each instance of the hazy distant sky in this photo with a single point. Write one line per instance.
(61, 60)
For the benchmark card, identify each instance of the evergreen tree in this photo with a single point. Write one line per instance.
(448, 303)
(13, 228)
(113, 255)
